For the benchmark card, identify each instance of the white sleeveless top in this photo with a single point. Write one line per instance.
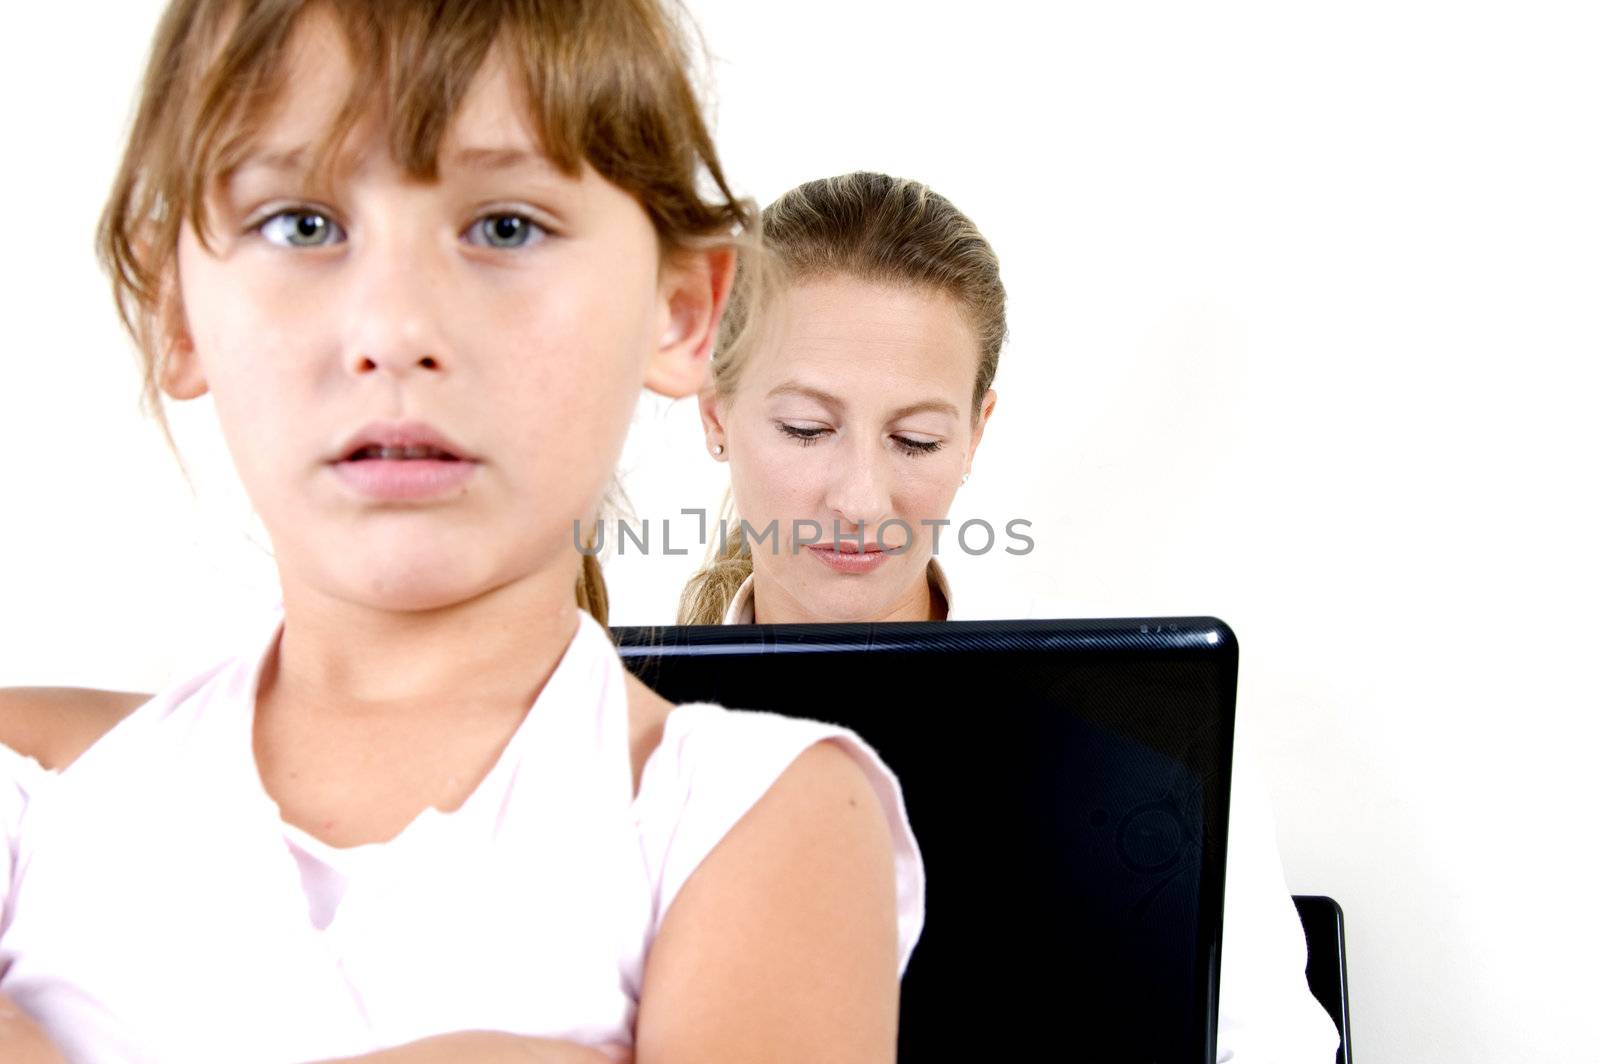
(158, 909)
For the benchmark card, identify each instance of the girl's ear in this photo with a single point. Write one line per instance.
(180, 374)
(694, 293)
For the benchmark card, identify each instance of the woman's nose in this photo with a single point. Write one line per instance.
(859, 490)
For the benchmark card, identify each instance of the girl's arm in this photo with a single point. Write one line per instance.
(486, 1047)
(53, 725)
(21, 1040)
(781, 946)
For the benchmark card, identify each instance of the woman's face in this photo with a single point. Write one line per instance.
(514, 309)
(855, 410)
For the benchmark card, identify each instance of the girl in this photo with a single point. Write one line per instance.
(424, 257)
(863, 402)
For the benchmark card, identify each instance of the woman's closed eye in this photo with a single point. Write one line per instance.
(806, 435)
(301, 227)
(918, 447)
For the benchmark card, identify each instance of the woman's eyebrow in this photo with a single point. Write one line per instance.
(833, 402)
(932, 406)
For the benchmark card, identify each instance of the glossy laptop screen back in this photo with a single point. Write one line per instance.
(1067, 783)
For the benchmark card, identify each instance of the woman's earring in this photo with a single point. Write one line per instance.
(965, 475)
(717, 450)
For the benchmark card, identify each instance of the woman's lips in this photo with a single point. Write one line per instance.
(405, 479)
(849, 560)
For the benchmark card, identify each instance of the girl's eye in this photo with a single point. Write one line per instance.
(507, 230)
(299, 229)
(918, 447)
(806, 435)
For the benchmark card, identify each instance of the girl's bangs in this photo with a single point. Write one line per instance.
(408, 71)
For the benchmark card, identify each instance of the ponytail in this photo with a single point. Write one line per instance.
(592, 588)
(708, 593)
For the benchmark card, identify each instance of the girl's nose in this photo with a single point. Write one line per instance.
(394, 311)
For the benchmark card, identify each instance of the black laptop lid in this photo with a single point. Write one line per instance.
(1067, 783)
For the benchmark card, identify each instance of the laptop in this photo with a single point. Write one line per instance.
(1067, 782)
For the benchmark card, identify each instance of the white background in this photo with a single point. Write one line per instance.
(1304, 330)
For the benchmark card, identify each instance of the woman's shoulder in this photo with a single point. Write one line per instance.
(53, 725)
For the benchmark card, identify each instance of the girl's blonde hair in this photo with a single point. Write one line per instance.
(882, 230)
(605, 82)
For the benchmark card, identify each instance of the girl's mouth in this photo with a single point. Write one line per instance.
(410, 454)
(391, 474)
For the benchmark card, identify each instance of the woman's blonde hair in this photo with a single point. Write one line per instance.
(605, 82)
(879, 229)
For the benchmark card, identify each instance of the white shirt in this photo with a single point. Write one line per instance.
(1266, 1012)
(158, 909)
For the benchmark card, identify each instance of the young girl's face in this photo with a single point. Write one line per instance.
(515, 310)
(856, 409)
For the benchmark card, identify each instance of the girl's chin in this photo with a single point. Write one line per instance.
(402, 588)
(412, 599)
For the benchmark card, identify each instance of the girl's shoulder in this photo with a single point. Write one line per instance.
(647, 719)
(713, 765)
(42, 731)
(53, 725)
(71, 728)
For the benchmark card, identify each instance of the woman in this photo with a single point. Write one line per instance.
(860, 400)
(859, 410)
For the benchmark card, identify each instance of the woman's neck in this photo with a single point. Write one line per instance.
(773, 605)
